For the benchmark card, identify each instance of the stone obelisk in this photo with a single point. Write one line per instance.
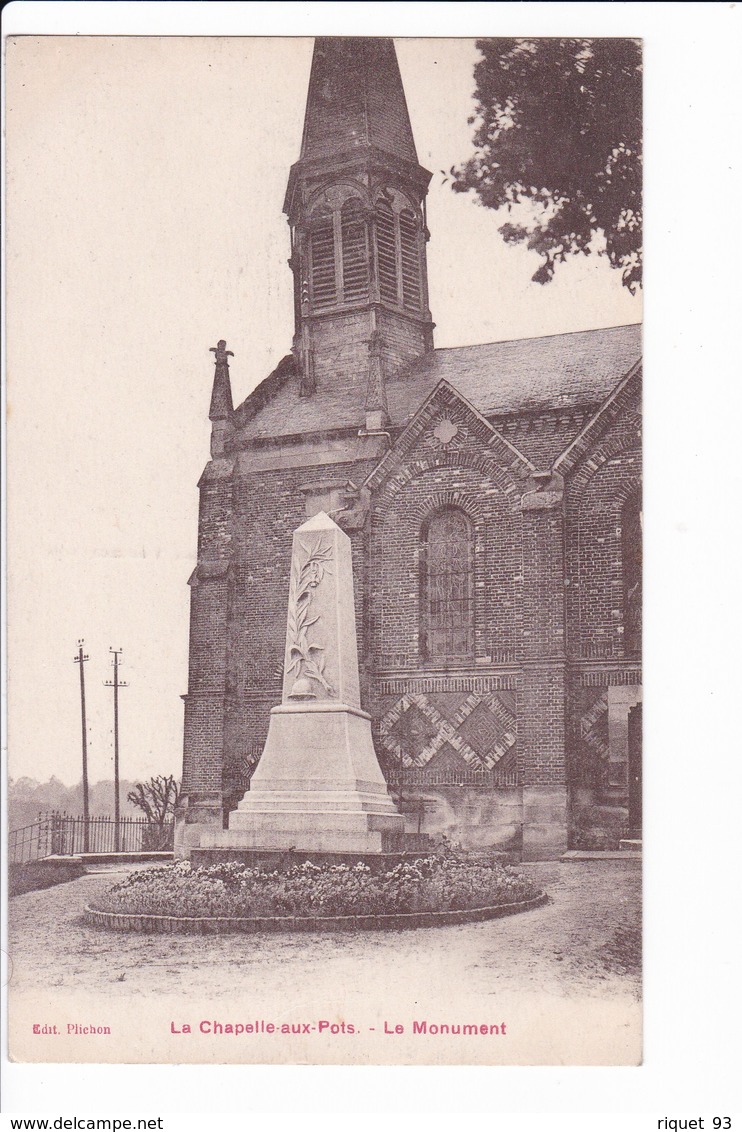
(318, 786)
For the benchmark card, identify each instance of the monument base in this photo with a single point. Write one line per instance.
(274, 860)
(318, 788)
(196, 811)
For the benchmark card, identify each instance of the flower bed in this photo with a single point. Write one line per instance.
(448, 885)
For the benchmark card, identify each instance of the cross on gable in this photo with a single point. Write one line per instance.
(221, 352)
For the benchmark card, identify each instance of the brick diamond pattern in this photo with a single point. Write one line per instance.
(413, 731)
(448, 703)
(480, 731)
(594, 735)
(593, 726)
(446, 759)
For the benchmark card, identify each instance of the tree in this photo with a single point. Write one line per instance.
(157, 798)
(558, 130)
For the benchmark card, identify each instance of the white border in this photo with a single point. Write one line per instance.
(692, 54)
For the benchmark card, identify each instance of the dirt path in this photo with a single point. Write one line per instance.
(585, 941)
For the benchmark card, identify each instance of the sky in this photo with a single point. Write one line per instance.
(145, 191)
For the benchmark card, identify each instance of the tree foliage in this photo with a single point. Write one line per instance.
(28, 798)
(156, 798)
(558, 131)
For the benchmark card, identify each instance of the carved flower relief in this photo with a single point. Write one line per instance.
(446, 433)
(306, 657)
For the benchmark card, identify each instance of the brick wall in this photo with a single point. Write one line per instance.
(596, 493)
(341, 351)
(605, 477)
(534, 616)
(392, 614)
(542, 437)
(215, 513)
(403, 340)
(203, 735)
(341, 344)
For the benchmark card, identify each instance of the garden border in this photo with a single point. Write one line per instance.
(212, 925)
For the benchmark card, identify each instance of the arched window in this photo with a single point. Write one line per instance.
(324, 288)
(355, 251)
(386, 252)
(410, 257)
(631, 559)
(447, 576)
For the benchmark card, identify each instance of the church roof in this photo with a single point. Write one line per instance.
(499, 378)
(356, 98)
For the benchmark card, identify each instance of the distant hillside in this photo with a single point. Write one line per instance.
(27, 798)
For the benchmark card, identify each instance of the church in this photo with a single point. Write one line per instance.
(491, 494)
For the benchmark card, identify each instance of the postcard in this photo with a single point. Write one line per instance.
(325, 513)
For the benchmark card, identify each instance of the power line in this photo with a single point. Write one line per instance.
(116, 684)
(80, 659)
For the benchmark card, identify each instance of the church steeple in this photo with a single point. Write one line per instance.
(356, 98)
(356, 206)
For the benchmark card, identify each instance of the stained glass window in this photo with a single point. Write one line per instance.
(447, 577)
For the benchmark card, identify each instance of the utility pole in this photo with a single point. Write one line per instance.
(80, 659)
(116, 684)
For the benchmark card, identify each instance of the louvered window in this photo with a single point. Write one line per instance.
(355, 251)
(447, 613)
(410, 259)
(324, 291)
(386, 252)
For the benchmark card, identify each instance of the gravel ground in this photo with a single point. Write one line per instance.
(586, 941)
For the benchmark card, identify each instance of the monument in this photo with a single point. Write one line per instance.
(318, 787)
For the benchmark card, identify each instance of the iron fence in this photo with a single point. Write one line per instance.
(61, 834)
(30, 843)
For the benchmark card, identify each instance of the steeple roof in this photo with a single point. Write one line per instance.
(356, 99)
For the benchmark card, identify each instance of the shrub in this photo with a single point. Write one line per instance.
(436, 883)
(37, 875)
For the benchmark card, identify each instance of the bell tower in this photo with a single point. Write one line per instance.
(356, 207)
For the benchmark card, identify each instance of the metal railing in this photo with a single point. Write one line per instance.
(61, 834)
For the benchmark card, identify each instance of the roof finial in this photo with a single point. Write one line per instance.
(221, 352)
(221, 395)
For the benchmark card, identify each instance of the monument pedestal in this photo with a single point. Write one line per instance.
(317, 788)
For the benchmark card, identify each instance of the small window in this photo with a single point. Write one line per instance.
(355, 251)
(324, 290)
(447, 598)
